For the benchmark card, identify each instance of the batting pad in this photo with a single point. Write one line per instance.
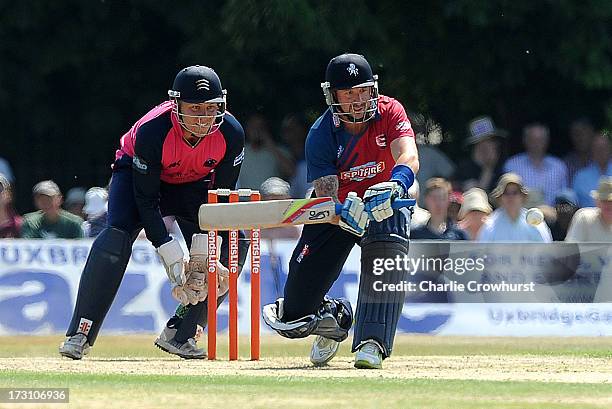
(378, 311)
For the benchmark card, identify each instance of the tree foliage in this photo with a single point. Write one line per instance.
(76, 74)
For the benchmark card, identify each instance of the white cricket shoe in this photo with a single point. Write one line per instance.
(323, 350)
(369, 356)
(75, 347)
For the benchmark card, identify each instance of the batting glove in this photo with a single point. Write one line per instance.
(173, 259)
(353, 217)
(377, 199)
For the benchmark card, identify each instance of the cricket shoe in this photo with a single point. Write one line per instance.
(369, 356)
(186, 350)
(75, 347)
(323, 350)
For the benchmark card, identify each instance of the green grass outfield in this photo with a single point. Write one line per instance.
(424, 372)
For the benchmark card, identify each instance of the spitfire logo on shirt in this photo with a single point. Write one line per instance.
(361, 172)
(352, 69)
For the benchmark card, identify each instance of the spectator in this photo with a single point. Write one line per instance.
(433, 162)
(537, 169)
(484, 168)
(262, 156)
(535, 198)
(420, 216)
(508, 222)
(586, 179)
(75, 200)
(474, 211)
(566, 204)
(439, 225)
(594, 223)
(293, 133)
(581, 133)
(96, 210)
(10, 221)
(5, 169)
(50, 221)
(455, 201)
(277, 189)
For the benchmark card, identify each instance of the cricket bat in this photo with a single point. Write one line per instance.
(274, 213)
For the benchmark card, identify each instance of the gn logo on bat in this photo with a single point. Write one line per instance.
(318, 215)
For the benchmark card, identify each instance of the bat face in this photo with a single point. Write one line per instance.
(271, 213)
(311, 210)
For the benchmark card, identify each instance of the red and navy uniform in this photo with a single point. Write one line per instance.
(359, 161)
(157, 173)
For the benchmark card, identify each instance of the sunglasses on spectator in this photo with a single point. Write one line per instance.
(513, 192)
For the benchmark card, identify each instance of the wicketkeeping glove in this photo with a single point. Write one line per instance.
(353, 217)
(173, 259)
(195, 288)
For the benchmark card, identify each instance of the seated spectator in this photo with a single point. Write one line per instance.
(294, 130)
(537, 169)
(484, 167)
(474, 211)
(6, 170)
(432, 161)
(508, 222)
(594, 223)
(50, 221)
(535, 198)
(75, 200)
(263, 158)
(587, 178)
(10, 221)
(277, 189)
(434, 164)
(581, 133)
(439, 226)
(566, 204)
(420, 216)
(96, 210)
(455, 201)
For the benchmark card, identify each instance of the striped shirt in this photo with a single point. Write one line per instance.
(549, 178)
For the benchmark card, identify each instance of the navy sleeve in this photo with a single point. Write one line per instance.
(320, 151)
(146, 170)
(227, 171)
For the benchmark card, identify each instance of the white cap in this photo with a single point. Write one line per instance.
(96, 201)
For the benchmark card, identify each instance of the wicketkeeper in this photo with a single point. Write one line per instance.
(362, 146)
(165, 165)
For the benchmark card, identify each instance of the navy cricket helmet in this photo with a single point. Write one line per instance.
(348, 71)
(195, 85)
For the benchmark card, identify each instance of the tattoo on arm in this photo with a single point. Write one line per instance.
(327, 186)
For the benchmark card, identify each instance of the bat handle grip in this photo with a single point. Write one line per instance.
(396, 204)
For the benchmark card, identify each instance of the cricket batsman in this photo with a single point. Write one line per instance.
(165, 166)
(362, 146)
